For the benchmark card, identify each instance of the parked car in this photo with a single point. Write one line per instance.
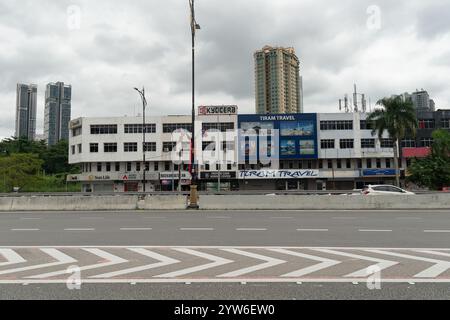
(376, 190)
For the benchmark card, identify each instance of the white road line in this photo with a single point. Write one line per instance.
(112, 260)
(436, 231)
(92, 218)
(217, 262)
(270, 262)
(281, 218)
(196, 229)
(381, 264)
(136, 229)
(163, 261)
(313, 230)
(324, 263)
(11, 256)
(80, 229)
(432, 272)
(25, 230)
(251, 229)
(30, 218)
(373, 230)
(61, 258)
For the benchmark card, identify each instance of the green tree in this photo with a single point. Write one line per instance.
(19, 170)
(13, 145)
(433, 171)
(56, 159)
(396, 117)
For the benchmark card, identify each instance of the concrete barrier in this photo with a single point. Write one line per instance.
(93, 203)
(224, 202)
(319, 202)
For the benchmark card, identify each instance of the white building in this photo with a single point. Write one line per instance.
(109, 152)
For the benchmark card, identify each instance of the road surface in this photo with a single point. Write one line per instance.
(225, 255)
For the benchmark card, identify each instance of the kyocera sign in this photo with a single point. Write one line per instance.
(217, 110)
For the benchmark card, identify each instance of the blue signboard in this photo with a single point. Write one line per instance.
(378, 172)
(286, 136)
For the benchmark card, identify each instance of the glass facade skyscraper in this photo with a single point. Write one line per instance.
(58, 107)
(26, 111)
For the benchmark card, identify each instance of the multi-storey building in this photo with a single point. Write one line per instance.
(278, 85)
(110, 153)
(58, 98)
(26, 111)
(324, 151)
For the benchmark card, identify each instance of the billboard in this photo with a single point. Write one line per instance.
(289, 136)
(217, 110)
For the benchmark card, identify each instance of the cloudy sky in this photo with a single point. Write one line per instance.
(104, 48)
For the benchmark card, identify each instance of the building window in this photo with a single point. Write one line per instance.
(167, 166)
(104, 129)
(169, 146)
(426, 124)
(138, 166)
(80, 148)
(367, 143)
(408, 143)
(426, 142)
(223, 127)
(349, 164)
(347, 144)
(128, 166)
(229, 146)
(309, 164)
(76, 132)
(130, 147)
(108, 167)
(137, 128)
(330, 164)
(210, 145)
(388, 163)
(387, 143)
(365, 125)
(369, 163)
(339, 164)
(327, 144)
(117, 166)
(445, 123)
(320, 164)
(110, 147)
(99, 167)
(150, 147)
(360, 164)
(172, 127)
(147, 166)
(93, 147)
(378, 163)
(336, 125)
(73, 149)
(229, 167)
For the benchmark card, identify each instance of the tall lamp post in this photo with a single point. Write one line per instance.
(144, 129)
(194, 27)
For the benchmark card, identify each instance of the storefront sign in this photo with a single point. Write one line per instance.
(116, 176)
(217, 110)
(378, 172)
(215, 175)
(279, 174)
(175, 176)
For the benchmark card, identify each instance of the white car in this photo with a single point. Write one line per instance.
(378, 190)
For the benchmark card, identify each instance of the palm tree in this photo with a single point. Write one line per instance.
(398, 118)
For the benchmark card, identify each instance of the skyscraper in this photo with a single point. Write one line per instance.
(277, 81)
(58, 98)
(26, 111)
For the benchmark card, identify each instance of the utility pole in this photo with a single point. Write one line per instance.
(194, 191)
(144, 129)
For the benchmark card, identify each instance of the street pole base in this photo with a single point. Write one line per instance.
(193, 199)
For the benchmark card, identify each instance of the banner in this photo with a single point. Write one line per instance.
(279, 174)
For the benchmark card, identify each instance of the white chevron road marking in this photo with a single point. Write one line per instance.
(11, 256)
(381, 264)
(163, 261)
(112, 260)
(324, 263)
(270, 262)
(432, 272)
(217, 262)
(61, 258)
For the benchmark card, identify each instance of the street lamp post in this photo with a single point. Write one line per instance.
(194, 27)
(144, 129)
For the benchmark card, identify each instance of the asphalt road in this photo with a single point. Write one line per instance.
(414, 244)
